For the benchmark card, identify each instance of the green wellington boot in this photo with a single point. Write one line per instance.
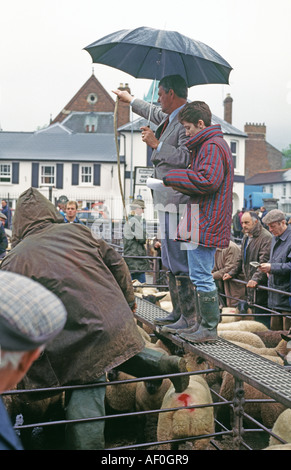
(150, 362)
(188, 302)
(176, 313)
(210, 316)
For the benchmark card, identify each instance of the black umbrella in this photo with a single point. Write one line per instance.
(152, 53)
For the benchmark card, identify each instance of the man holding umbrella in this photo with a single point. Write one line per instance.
(168, 152)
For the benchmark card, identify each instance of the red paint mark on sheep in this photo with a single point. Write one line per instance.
(185, 399)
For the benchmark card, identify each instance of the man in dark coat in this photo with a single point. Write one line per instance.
(94, 283)
(278, 268)
(256, 245)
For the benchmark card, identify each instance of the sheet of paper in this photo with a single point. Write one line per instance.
(155, 184)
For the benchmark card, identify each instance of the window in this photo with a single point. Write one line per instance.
(5, 173)
(47, 175)
(284, 190)
(86, 174)
(233, 148)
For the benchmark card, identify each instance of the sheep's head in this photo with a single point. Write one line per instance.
(152, 386)
(195, 362)
(286, 356)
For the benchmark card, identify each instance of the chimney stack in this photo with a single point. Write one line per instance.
(228, 108)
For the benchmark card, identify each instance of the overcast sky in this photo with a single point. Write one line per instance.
(43, 63)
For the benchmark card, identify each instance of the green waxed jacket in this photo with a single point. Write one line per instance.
(93, 282)
(134, 240)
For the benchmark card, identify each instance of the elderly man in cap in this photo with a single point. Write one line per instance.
(30, 317)
(278, 268)
(94, 284)
(3, 236)
(134, 239)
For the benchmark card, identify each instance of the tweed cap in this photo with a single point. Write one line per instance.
(2, 216)
(30, 315)
(136, 203)
(274, 215)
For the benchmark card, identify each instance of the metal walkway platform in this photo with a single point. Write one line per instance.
(271, 378)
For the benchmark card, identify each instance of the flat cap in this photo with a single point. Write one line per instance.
(137, 203)
(30, 315)
(274, 215)
(3, 216)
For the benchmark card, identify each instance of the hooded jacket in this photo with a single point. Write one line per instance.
(93, 282)
(209, 184)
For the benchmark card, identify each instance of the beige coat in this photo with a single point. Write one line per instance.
(225, 260)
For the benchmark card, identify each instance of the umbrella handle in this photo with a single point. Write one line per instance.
(152, 100)
(118, 157)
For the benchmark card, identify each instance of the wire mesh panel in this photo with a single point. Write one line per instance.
(264, 374)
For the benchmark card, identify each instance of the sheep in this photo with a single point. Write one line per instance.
(282, 428)
(271, 338)
(184, 423)
(229, 315)
(266, 354)
(242, 337)
(277, 352)
(120, 397)
(150, 393)
(244, 309)
(149, 396)
(266, 413)
(243, 325)
(35, 408)
(161, 299)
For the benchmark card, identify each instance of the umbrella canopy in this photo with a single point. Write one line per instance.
(152, 53)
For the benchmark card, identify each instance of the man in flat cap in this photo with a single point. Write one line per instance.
(279, 268)
(30, 317)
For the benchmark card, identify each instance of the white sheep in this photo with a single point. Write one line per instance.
(242, 337)
(282, 428)
(243, 325)
(229, 315)
(184, 423)
(278, 352)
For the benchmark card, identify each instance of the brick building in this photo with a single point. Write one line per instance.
(260, 155)
(92, 107)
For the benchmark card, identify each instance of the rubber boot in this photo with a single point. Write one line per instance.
(176, 313)
(210, 315)
(150, 362)
(187, 296)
